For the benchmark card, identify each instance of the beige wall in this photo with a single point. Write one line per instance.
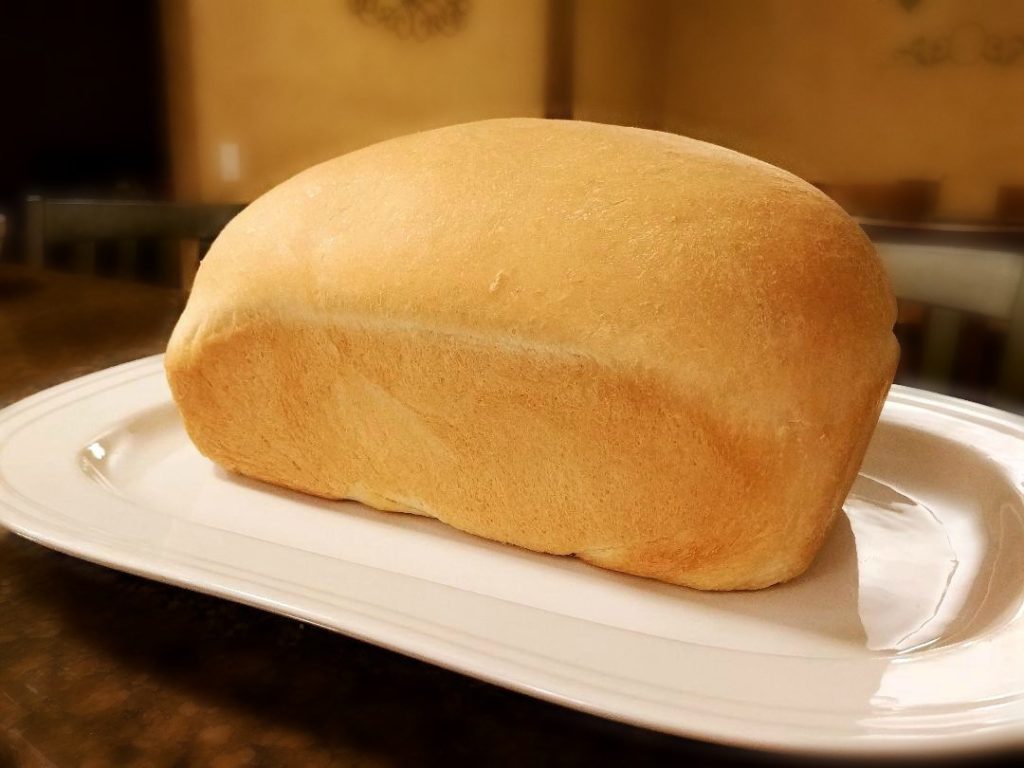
(621, 60)
(293, 83)
(820, 86)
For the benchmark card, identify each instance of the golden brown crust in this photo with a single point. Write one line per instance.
(648, 351)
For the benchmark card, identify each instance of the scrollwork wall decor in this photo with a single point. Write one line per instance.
(413, 19)
(968, 44)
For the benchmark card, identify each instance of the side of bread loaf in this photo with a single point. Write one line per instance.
(656, 354)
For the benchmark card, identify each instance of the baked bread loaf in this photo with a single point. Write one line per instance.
(652, 353)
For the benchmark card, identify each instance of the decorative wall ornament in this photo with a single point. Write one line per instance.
(968, 44)
(413, 19)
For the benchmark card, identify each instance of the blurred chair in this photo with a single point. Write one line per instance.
(958, 270)
(84, 224)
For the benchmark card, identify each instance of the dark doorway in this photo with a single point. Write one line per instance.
(82, 103)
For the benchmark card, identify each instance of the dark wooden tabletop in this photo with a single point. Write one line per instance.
(98, 668)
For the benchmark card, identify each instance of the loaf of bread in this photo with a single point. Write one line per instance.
(652, 353)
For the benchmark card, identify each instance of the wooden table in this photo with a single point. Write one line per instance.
(98, 668)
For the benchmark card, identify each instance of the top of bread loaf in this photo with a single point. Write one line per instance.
(628, 246)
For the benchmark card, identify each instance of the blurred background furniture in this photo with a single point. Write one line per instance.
(125, 238)
(945, 276)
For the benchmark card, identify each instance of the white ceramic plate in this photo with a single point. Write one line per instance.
(906, 636)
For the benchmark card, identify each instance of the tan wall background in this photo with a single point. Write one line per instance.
(293, 83)
(838, 91)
